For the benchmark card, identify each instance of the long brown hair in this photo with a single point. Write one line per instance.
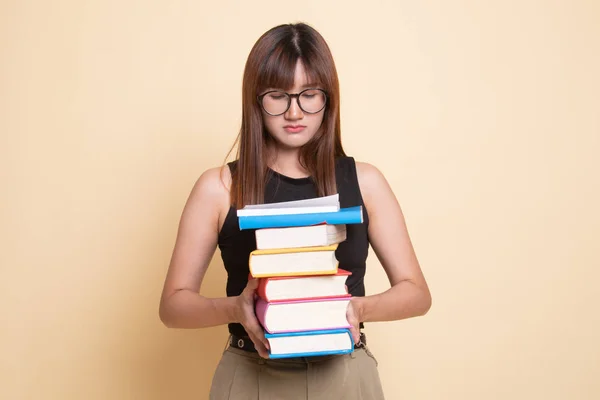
(271, 64)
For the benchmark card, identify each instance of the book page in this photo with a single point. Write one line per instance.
(332, 200)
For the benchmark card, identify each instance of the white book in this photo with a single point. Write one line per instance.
(300, 236)
(312, 343)
(293, 262)
(304, 287)
(307, 206)
(302, 315)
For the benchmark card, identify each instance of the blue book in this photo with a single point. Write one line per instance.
(310, 343)
(345, 216)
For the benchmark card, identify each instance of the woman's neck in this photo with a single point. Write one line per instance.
(287, 162)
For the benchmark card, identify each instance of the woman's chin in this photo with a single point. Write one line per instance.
(292, 141)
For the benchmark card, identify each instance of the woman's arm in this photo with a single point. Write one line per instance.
(409, 294)
(181, 306)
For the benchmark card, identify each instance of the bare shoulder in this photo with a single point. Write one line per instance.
(371, 180)
(211, 193)
(214, 181)
(368, 173)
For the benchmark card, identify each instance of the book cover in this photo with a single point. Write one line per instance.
(345, 216)
(310, 343)
(283, 250)
(319, 260)
(300, 236)
(302, 315)
(285, 288)
(323, 201)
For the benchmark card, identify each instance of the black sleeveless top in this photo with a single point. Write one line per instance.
(236, 245)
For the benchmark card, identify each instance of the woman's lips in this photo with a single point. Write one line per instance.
(294, 128)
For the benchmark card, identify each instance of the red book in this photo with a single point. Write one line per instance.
(288, 288)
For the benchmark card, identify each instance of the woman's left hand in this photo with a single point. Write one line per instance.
(353, 317)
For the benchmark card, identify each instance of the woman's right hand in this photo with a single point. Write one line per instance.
(247, 317)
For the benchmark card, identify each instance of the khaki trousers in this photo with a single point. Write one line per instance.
(243, 375)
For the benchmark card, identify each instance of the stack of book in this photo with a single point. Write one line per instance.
(302, 296)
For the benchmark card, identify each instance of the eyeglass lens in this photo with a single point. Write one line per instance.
(310, 101)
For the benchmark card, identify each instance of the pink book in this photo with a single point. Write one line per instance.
(302, 315)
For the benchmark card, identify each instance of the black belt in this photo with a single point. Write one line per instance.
(245, 343)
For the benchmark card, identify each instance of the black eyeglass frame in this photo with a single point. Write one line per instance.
(290, 96)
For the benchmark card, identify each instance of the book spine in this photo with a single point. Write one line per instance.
(260, 309)
(286, 211)
(343, 326)
(261, 290)
(298, 274)
(307, 299)
(326, 299)
(346, 216)
(348, 350)
(311, 333)
(312, 354)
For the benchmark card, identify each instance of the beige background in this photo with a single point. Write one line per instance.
(483, 115)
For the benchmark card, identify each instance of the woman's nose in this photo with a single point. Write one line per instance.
(294, 112)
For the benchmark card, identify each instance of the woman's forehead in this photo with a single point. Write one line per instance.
(301, 79)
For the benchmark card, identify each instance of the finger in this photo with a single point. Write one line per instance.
(352, 321)
(255, 329)
(252, 284)
(250, 290)
(259, 337)
(260, 349)
(265, 352)
(355, 334)
(259, 333)
(259, 346)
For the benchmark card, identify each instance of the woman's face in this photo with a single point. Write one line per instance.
(294, 128)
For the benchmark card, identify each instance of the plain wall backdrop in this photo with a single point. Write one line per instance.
(483, 115)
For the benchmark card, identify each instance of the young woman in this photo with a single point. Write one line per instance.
(289, 148)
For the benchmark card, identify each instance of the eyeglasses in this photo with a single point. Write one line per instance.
(277, 102)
